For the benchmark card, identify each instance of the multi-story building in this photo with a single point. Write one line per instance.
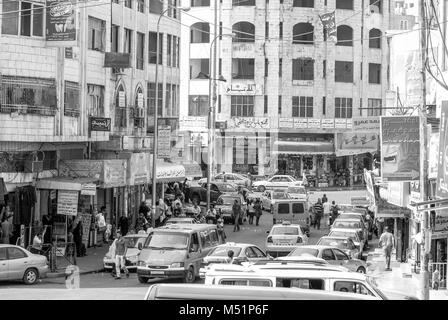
(290, 95)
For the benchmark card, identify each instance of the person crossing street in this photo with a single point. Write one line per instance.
(236, 212)
(319, 210)
(120, 261)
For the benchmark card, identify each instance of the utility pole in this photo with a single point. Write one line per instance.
(424, 285)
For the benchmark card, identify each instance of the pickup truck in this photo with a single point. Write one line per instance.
(199, 193)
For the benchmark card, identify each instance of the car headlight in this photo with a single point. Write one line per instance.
(177, 265)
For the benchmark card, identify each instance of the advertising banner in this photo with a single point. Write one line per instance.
(369, 186)
(164, 142)
(442, 170)
(433, 155)
(248, 123)
(67, 203)
(400, 148)
(61, 23)
(329, 24)
(99, 124)
(138, 168)
(351, 143)
(366, 124)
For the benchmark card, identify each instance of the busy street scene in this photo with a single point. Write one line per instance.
(223, 150)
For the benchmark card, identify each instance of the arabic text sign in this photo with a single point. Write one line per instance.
(366, 124)
(164, 142)
(329, 24)
(67, 202)
(248, 123)
(250, 89)
(61, 22)
(442, 170)
(400, 148)
(99, 124)
(433, 155)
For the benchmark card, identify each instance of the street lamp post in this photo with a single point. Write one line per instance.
(212, 113)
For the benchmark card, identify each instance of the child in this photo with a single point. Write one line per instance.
(220, 225)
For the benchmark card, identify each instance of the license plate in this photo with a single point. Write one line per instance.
(158, 272)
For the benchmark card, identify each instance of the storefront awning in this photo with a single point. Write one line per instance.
(389, 210)
(169, 172)
(192, 170)
(65, 183)
(351, 152)
(303, 147)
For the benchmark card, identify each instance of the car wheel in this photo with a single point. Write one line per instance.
(31, 276)
(361, 270)
(142, 279)
(261, 188)
(189, 275)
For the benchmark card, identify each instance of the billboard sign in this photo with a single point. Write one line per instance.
(442, 170)
(400, 148)
(61, 23)
(164, 142)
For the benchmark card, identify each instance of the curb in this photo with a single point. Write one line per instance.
(52, 275)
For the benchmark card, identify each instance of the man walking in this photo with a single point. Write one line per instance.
(327, 212)
(387, 243)
(319, 210)
(258, 212)
(236, 212)
(334, 212)
(120, 249)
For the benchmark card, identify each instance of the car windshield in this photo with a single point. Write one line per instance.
(304, 251)
(349, 216)
(226, 188)
(347, 224)
(223, 251)
(338, 243)
(296, 190)
(132, 242)
(293, 231)
(165, 240)
(280, 195)
(228, 200)
(352, 209)
(345, 234)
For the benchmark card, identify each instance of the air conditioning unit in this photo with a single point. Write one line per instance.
(34, 166)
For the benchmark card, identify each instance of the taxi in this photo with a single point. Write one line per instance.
(284, 238)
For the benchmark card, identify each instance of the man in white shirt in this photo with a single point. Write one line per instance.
(327, 211)
(387, 242)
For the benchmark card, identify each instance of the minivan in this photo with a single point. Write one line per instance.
(176, 251)
(294, 211)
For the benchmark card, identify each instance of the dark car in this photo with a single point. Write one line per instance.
(199, 193)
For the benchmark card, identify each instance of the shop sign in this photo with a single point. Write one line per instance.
(164, 142)
(245, 89)
(52, 194)
(442, 170)
(369, 185)
(366, 124)
(314, 123)
(349, 123)
(86, 222)
(414, 192)
(67, 203)
(117, 60)
(248, 123)
(327, 123)
(286, 123)
(88, 189)
(170, 172)
(99, 124)
(433, 155)
(350, 143)
(193, 124)
(114, 173)
(138, 168)
(306, 83)
(340, 123)
(400, 148)
(300, 123)
(61, 23)
(81, 168)
(192, 170)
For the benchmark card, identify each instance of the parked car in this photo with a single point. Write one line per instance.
(298, 192)
(351, 208)
(276, 182)
(199, 193)
(348, 233)
(234, 178)
(345, 244)
(224, 206)
(269, 197)
(16, 263)
(283, 238)
(333, 255)
(355, 221)
(132, 242)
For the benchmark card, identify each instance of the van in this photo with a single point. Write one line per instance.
(296, 277)
(176, 251)
(168, 291)
(294, 211)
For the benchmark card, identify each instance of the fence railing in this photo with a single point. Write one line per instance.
(442, 267)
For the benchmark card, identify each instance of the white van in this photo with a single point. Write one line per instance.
(176, 251)
(303, 278)
(294, 211)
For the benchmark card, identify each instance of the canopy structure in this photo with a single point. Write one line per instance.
(303, 147)
(66, 183)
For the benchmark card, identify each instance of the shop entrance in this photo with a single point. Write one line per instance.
(290, 165)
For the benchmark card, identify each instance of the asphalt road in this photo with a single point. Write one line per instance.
(103, 286)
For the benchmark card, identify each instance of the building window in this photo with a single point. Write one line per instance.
(114, 38)
(156, 6)
(242, 106)
(175, 100)
(243, 68)
(280, 67)
(280, 30)
(324, 69)
(303, 33)
(71, 99)
(343, 107)
(141, 6)
(128, 3)
(265, 107)
(374, 73)
(303, 69)
(169, 51)
(404, 25)
(219, 104)
(175, 52)
(280, 105)
(140, 50)
(198, 105)
(244, 32)
(127, 40)
(266, 30)
(200, 3)
(303, 3)
(95, 100)
(152, 47)
(199, 68)
(375, 38)
(374, 107)
(375, 6)
(151, 99)
(324, 105)
(200, 33)
(120, 108)
(266, 67)
(96, 34)
(22, 18)
(237, 3)
(302, 107)
(343, 71)
(345, 36)
(168, 101)
(344, 4)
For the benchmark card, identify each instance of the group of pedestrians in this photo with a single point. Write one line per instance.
(322, 209)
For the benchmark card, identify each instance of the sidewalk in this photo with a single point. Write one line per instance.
(91, 263)
(400, 279)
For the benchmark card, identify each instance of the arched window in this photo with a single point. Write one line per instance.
(303, 33)
(375, 38)
(200, 33)
(345, 36)
(139, 106)
(344, 4)
(240, 3)
(120, 107)
(244, 32)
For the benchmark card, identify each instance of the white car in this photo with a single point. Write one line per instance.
(234, 178)
(276, 182)
(283, 238)
(132, 251)
(269, 197)
(298, 192)
(348, 233)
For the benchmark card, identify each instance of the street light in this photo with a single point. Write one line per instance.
(211, 113)
(156, 107)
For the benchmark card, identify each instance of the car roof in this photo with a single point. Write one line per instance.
(236, 244)
(286, 225)
(344, 230)
(347, 220)
(335, 237)
(315, 246)
(186, 227)
(141, 235)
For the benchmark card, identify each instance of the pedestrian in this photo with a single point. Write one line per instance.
(220, 226)
(211, 214)
(387, 243)
(318, 210)
(101, 222)
(6, 229)
(196, 210)
(251, 211)
(143, 209)
(77, 237)
(186, 190)
(230, 257)
(334, 212)
(436, 279)
(379, 222)
(120, 261)
(236, 213)
(178, 194)
(123, 222)
(324, 198)
(37, 243)
(327, 212)
(258, 211)
(141, 223)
